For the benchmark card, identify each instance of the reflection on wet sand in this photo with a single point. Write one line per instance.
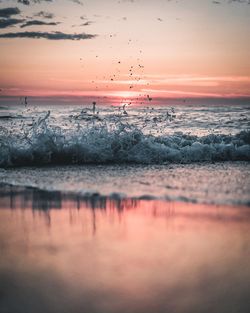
(65, 253)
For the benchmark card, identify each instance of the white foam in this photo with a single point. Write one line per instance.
(43, 144)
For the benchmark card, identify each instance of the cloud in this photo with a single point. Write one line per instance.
(77, 2)
(44, 14)
(36, 22)
(231, 1)
(49, 36)
(87, 23)
(4, 23)
(240, 1)
(27, 2)
(84, 24)
(7, 12)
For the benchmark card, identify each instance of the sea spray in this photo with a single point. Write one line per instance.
(101, 142)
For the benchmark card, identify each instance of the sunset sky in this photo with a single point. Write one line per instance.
(183, 48)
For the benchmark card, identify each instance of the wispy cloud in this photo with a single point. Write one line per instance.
(44, 14)
(28, 2)
(49, 36)
(77, 2)
(37, 22)
(231, 1)
(83, 24)
(87, 23)
(186, 94)
(239, 1)
(191, 79)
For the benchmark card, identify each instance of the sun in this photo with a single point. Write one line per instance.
(126, 95)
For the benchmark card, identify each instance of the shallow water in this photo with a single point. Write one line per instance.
(65, 253)
(219, 183)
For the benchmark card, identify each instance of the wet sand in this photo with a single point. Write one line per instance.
(65, 253)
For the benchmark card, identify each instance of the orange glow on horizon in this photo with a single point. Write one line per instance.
(194, 49)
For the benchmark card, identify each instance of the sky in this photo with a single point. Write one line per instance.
(125, 48)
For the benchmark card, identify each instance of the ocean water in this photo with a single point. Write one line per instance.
(126, 209)
(186, 152)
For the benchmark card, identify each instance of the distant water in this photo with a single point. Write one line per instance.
(184, 152)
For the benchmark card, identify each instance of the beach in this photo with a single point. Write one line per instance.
(67, 253)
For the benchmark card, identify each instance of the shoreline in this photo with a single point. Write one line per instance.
(39, 199)
(224, 183)
(141, 255)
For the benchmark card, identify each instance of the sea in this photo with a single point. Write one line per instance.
(124, 207)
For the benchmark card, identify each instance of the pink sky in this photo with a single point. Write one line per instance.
(163, 48)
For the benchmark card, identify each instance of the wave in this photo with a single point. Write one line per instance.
(44, 144)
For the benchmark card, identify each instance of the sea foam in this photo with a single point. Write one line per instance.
(44, 144)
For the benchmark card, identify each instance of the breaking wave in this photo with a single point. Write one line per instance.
(44, 144)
